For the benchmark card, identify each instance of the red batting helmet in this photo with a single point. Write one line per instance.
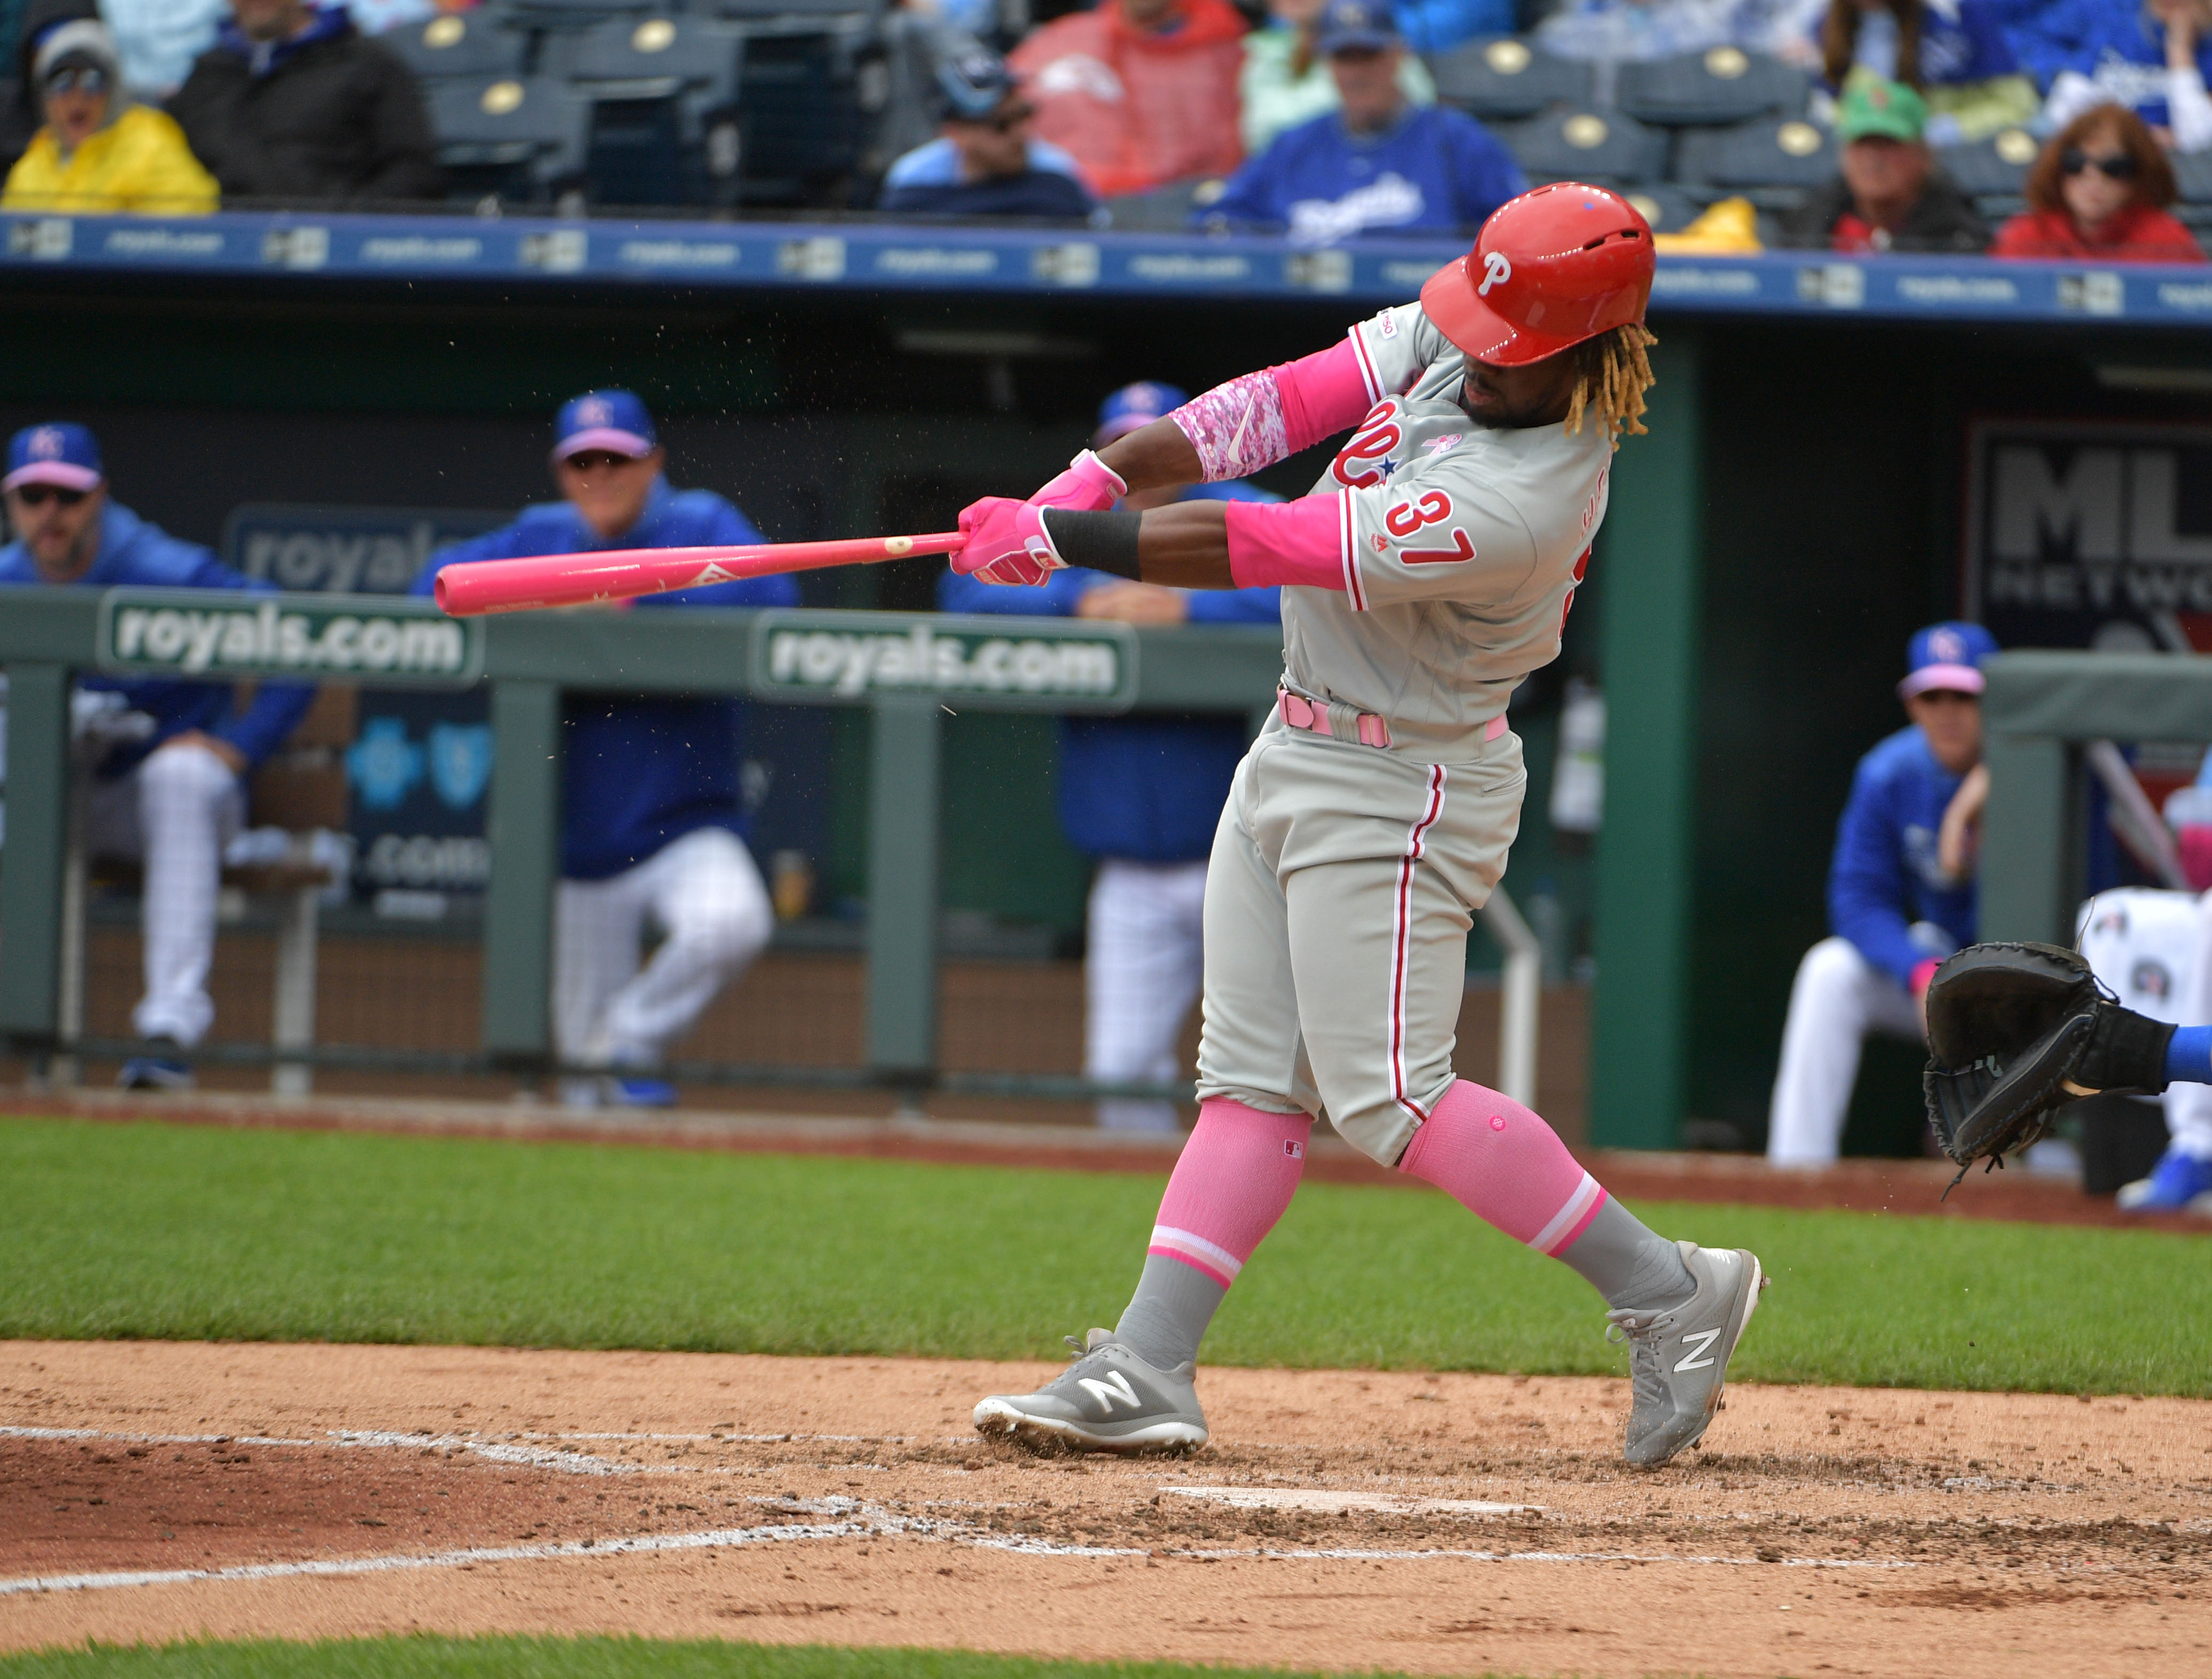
(1549, 269)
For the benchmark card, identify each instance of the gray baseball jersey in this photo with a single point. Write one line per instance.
(1462, 547)
(1345, 878)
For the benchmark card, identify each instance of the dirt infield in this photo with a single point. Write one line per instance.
(1347, 1520)
(1908, 1187)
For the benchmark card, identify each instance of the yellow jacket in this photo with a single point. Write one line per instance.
(138, 162)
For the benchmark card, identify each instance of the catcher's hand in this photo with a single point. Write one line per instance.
(2015, 1033)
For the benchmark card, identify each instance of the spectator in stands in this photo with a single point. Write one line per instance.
(160, 39)
(2099, 190)
(652, 818)
(1889, 196)
(2153, 58)
(1375, 164)
(1141, 795)
(1286, 82)
(20, 115)
(985, 161)
(167, 760)
(1142, 92)
(1896, 911)
(293, 102)
(98, 151)
(1620, 31)
(1952, 52)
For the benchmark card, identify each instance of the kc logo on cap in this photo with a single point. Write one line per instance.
(46, 444)
(594, 411)
(1947, 646)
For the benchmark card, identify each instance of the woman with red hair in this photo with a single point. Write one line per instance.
(2099, 191)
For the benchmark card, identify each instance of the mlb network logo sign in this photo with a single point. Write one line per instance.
(2084, 534)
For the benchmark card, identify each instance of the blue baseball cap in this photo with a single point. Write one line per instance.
(613, 421)
(1947, 656)
(1134, 406)
(1349, 26)
(58, 453)
(974, 84)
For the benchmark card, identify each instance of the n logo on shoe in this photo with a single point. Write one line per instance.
(1114, 1387)
(1691, 1360)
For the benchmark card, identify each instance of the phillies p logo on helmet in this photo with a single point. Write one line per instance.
(1496, 267)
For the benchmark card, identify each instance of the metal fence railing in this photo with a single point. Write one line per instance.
(336, 988)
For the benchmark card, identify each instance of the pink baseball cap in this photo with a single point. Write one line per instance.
(615, 421)
(1947, 656)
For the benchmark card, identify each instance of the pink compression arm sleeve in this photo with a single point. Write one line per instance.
(1301, 542)
(1262, 417)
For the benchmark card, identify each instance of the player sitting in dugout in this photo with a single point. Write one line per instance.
(1427, 572)
(1377, 163)
(652, 818)
(167, 761)
(1900, 894)
(1141, 795)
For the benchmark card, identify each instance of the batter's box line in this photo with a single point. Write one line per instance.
(870, 1524)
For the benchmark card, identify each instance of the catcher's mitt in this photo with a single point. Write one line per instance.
(2015, 1033)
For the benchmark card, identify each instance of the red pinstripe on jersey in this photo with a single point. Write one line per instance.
(1401, 912)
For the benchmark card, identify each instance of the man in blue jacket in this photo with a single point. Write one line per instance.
(652, 816)
(168, 760)
(1140, 795)
(1896, 910)
(1375, 165)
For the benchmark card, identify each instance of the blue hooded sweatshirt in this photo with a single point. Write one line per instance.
(1885, 876)
(132, 552)
(638, 772)
(1438, 170)
(1147, 789)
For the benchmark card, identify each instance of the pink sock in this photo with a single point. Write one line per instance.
(1235, 1177)
(1504, 1164)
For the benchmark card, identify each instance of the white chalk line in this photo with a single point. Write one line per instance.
(858, 1521)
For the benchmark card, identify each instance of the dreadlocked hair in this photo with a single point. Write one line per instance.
(1612, 374)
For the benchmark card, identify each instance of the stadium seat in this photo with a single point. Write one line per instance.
(1773, 163)
(1720, 85)
(1994, 167)
(507, 139)
(813, 85)
(454, 45)
(663, 93)
(2192, 177)
(1584, 143)
(1667, 208)
(1164, 209)
(1504, 80)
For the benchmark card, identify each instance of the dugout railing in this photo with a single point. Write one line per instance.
(2041, 712)
(910, 669)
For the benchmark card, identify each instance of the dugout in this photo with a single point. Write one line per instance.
(1799, 508)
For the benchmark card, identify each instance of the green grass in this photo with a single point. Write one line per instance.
(426, 1658)
(174, 1231)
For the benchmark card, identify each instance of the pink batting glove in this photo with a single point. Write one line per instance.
(2193, 843)
(1007, 544)
(1089, 485)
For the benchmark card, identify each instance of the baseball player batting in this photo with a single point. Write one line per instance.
(1429, 570)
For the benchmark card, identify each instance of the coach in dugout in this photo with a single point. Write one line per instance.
(1141, 795)
(651, 819)
(167, 760)
(1897, 904)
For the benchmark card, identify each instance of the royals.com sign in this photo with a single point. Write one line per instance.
(988, 663)
(344, 549)
(218, 637)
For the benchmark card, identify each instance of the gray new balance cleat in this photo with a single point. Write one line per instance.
(1678, 1357)
(1110, 1399)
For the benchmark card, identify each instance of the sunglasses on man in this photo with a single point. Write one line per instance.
(77, 79)
(38, 495)
(2073, 160)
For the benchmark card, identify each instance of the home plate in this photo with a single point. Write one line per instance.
(1326, 1503)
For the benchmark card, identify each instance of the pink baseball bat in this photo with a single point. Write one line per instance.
(575, 580)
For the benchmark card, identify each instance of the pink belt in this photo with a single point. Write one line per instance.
(1301, 714)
